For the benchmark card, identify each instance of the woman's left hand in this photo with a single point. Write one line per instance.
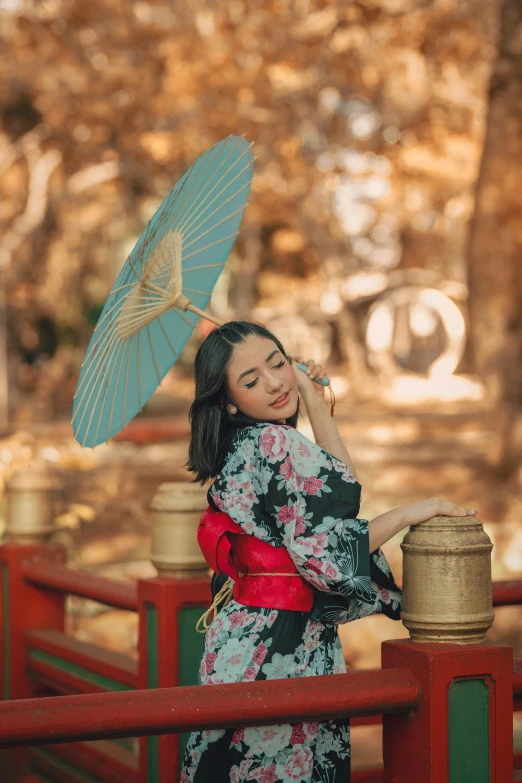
(309, 390)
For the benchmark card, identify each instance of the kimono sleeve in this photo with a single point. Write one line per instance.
(314, 500)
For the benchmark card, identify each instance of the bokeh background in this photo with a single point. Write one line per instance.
(383, 238)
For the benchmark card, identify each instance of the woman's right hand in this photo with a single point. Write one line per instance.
(416, 513)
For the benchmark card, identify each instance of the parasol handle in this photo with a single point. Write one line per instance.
(304, 368)
(205, 315)
(185, 304)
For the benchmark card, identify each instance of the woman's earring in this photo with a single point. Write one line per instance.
(232, 409)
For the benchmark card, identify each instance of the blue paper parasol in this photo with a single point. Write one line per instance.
(161, 291)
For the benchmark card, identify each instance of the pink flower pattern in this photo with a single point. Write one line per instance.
(272, 443)
(260, 654)
(209, 661)
(286, 514)
(312, 485)
(300, 764)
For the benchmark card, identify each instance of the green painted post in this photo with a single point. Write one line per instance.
(88, 676)
(191, 647)
(462, 729)
(152, 682)
(6, 640)
(468, 718)
(170, 653)
(49, 768)
(23, 607)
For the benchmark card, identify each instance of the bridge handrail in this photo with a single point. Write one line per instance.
(54, 719)
(70, 666)
(507, 592)
(122, 595)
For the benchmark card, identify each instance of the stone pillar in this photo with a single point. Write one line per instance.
(169, 608)
(462, 729)
(447, 594)
(177, 507)
(30, 503)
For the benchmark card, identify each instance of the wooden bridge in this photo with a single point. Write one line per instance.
(446, 708)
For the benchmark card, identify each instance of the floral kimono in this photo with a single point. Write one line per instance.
(286, 490)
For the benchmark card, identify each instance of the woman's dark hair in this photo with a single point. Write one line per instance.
(212, 426)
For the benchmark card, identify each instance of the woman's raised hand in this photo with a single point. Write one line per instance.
(305, 383)
(416, 513)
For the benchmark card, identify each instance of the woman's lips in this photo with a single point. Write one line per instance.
(282, 402)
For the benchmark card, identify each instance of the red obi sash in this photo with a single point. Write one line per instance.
(228, 549)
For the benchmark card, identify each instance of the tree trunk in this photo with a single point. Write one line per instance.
(4, 364)
(243, 291)
(495, 249)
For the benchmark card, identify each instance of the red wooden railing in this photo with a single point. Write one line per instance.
(121, 595)
(97, 663)
(103, 715)
(190, 708)
(37, 658)
(507, 593)
(84, 675)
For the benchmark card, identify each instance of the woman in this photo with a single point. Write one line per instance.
(302, 499)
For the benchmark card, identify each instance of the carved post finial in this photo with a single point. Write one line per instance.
(177, 507)
(30, 503)
(447, 593)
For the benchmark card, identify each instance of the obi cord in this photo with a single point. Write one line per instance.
(225, 596)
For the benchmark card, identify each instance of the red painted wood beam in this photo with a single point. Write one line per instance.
(161, 710)
(157, 430)
(64, 681)
(108, 591)
(124, 596)
(371, 720)
(517, 679)
(507, 592)
(102, 758)
(45, 770)
(366, 720)
(23, 607)
(87, 656)
(47, 682)
(373, 775)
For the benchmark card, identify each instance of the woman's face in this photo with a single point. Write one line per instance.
(258, 374)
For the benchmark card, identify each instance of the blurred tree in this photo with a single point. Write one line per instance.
(368, 119)
(495, 245)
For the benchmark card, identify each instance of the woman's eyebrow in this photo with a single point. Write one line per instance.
(255, 368)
